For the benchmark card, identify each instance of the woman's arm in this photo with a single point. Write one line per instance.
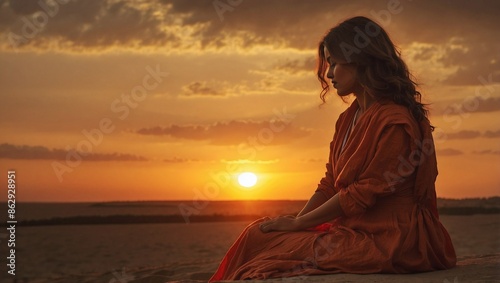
(314, 202)
(327, 211)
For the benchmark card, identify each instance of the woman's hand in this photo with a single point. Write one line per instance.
(281, 223)
(326, 212)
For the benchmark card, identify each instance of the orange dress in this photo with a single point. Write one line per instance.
(384, 173)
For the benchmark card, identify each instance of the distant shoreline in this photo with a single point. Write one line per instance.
(495, 199)
(177, 218)
(137, 219)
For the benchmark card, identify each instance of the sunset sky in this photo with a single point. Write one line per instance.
(156, 100)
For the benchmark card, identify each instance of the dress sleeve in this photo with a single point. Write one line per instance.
(326, 184)
(383, 173)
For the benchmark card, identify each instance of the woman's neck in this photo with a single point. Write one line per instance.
(364, 101)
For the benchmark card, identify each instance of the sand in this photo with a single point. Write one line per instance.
(149, 253)
(471, 269)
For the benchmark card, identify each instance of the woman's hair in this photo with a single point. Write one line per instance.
(379, 67)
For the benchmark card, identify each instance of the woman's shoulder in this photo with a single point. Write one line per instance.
(391, 111)
(388, 113)
(383, 111)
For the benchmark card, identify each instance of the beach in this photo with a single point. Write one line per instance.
(180, 252)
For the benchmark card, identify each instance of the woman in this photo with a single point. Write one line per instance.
(375, 209)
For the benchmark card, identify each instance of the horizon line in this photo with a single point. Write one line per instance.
(217, 200)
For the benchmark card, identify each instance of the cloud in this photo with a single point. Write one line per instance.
(232, 132)
(486, 151)
(459, 33)
(239, 22)
(179, 160)
(9, 151)
(202, 89)
(492, 134)
(465, 134)
(490, 104)
(471, 104)
(294, 66)
(469, 134)
(166, 24)
(80, 24)
(473, 60)
(179, 25)
(448, 152)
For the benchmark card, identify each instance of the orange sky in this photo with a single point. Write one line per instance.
(154, 100)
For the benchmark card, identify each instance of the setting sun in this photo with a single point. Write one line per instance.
(247, 179)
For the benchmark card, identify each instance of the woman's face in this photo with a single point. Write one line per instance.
(342, 75)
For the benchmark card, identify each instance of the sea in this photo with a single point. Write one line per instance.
(45, 210)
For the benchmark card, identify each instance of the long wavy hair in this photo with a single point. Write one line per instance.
(379, 67)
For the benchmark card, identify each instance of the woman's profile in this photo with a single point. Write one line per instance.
(375, 209)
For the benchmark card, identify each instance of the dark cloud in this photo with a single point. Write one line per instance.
(82, 24)
(449, 152)
(301, 23)
(470, 104)
(467, 30)
(201, 89)
(105, 23)
(469, 134)
(233, 132)
(486, 152)
(178, 160)
(444, 20)
(295, 23)
(294, 66)
(488, 105)
(255, 22)
(492, 134)
(24, 7)
(9, 151)
(477, 58)
(465, 134)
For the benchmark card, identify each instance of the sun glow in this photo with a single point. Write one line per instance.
(247, 179)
